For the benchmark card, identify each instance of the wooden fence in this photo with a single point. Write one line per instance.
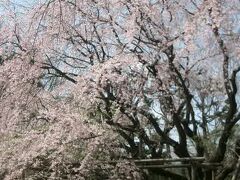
(183, 163)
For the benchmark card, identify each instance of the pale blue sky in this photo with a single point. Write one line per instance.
(19, 5)
(23, 1)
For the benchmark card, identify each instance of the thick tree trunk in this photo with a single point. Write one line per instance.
(237, 170)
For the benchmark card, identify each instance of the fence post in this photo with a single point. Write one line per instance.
(193, 173)
(213, 174)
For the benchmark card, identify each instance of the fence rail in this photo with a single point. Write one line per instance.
(190, 163)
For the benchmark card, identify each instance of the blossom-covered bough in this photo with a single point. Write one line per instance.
(43, 134)
(157, 78)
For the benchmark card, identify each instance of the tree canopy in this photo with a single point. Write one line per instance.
(83, 82)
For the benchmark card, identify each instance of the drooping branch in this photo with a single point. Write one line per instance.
(49, 66)
(231, 90)
(189, 108)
